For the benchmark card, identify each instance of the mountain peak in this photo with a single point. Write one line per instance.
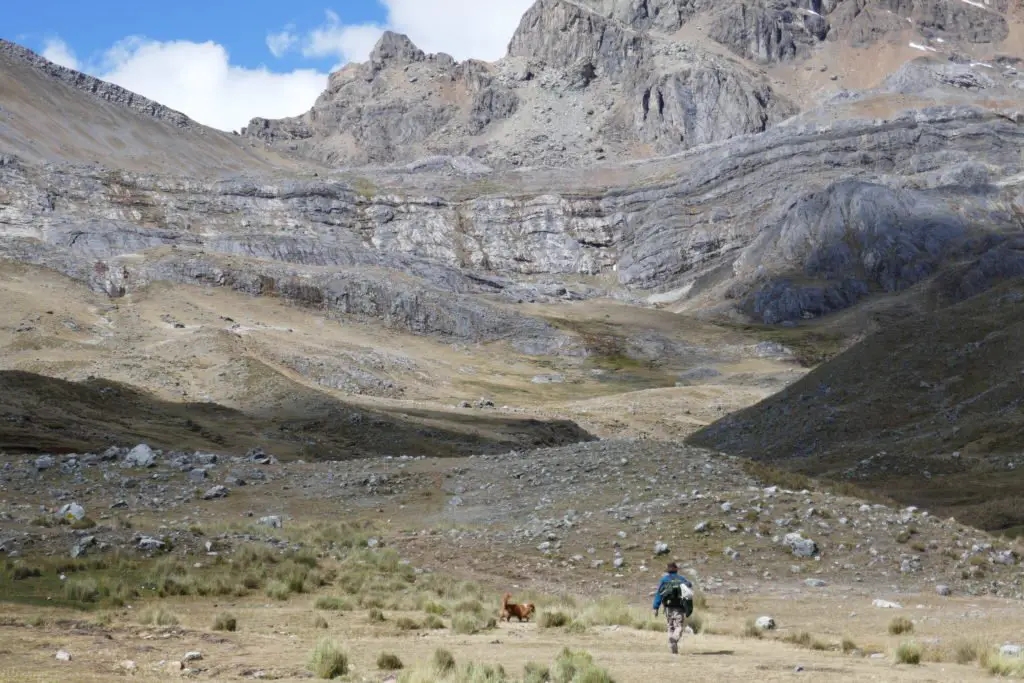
(395, 48)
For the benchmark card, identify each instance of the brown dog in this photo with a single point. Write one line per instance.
(511, 609)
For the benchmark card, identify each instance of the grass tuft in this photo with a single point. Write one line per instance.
(225, 622)
(375, 615)
(909, 653)
(750, 630)
(553, 619)
(328, 660)
(900, 625)
(157, 616)
(387, 661)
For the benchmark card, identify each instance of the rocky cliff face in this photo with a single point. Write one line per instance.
(576, 86)
(776, 219)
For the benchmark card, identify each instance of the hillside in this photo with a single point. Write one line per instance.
(926, 410)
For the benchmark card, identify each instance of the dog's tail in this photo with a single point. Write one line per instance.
(505, 599)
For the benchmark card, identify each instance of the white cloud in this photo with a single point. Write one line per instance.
(462, 28)
(199, 80)
(282, 42)
(58, 52)
(348, 43)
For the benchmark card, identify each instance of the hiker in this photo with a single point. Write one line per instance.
(675, 594)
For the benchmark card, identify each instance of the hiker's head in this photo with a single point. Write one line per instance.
(672, 568)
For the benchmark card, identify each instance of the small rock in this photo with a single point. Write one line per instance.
(63, 656)
(273, 521)
(173, 668)
(765, 623)
(815, 583)
(1011, 650)
(44, 462)
(701, 527)
(127, 666)
(193, 656)
(197, 475)
(148, 543)
(661, 548)
(886, 604)
(216, 492)
(619, 562)
(944, 590)
(544, 547)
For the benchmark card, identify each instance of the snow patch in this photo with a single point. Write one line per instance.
(923, 48)
(974, 4)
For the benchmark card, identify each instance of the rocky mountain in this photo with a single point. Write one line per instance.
(636, 153)
(927, 409)
(591, 79)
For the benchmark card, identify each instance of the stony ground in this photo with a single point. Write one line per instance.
(566, 527)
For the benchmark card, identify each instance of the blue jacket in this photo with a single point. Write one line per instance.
(664, 580)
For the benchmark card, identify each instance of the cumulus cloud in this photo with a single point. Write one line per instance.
(345, 42)
(199, 80)
(282, 42)
(462, 28)
(58, 52)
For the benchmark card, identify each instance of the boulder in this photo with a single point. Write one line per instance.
(44, 462)
(765, 623)
(197, 475)
(193, 656)
(216, 492)
(72, 512)
(142, 456)
(1011, 650)
(661, 548)
(273, 521)
(81, 547)
(63, 656)
(149, 544)
(944, 590)
(800, 546)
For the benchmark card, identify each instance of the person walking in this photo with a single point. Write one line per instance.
(675, 594)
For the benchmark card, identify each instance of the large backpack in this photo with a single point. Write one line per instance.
(675, 593)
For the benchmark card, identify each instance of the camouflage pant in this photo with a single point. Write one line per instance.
(675, 616)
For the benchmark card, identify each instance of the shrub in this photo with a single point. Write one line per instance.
(435, 608)
(82, 524)
(578, 667)
(82, 590)
(371, 601)
(433, 622)
(577, 627)
(334, 603)
(320, 622)
(443, 661)
(651, 624)
(407, 624)
(225, 622)
(157, 616)
(469, 606)
(375, 615)
(900, 625)
(278, 590)
(697, 622)
(328, 660)
(847, 646)
(536, 673)
(802, 639)
(466, 624)
(966, 652)
(908, 653)
(387, 661)
(1000, 665)
(553, 619)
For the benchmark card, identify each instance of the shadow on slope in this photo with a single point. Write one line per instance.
(929, 411)
(43, 414)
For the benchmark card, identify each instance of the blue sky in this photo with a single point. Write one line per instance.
(223, 62)
(90, 27)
